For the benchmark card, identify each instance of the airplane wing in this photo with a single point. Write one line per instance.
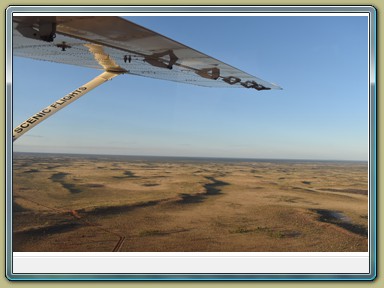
(117, 45)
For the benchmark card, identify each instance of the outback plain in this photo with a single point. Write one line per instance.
(83, 203)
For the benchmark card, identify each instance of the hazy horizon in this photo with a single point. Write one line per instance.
(187, 157)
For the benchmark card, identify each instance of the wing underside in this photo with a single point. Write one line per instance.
(115, 44)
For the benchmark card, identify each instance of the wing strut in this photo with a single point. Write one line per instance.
(62, 102)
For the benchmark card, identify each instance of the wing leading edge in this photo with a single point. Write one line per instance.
(115, 44)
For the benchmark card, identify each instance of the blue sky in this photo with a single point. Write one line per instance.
(321, 113)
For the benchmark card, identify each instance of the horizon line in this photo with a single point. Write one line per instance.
(195, 157)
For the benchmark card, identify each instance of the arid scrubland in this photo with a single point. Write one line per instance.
(101, 203)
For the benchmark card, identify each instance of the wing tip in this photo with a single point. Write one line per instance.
(277, 87)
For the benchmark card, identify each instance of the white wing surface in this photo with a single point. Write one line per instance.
(116, 45)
